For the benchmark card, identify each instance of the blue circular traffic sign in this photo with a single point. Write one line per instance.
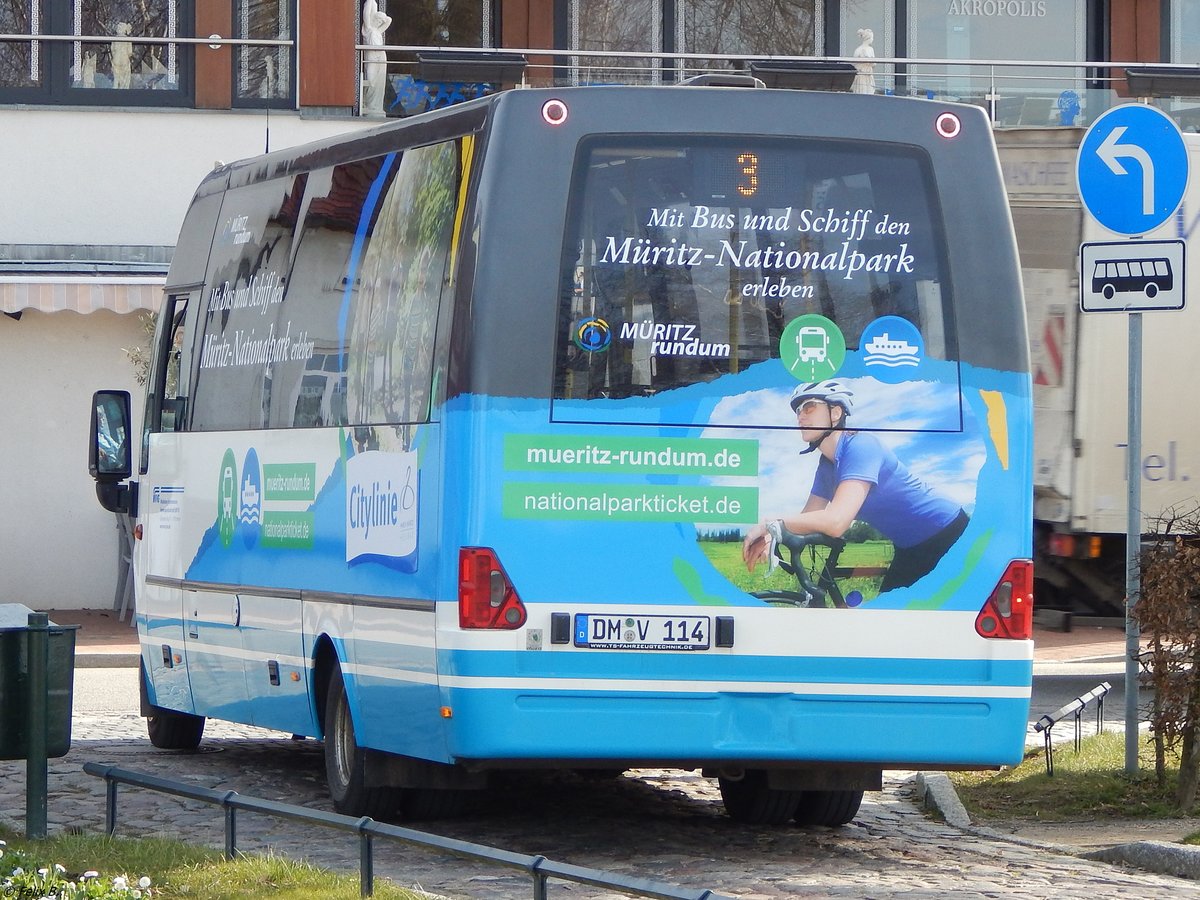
(1132, 168)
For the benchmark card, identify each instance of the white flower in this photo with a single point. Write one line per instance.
(43, 872)
(120, 883)
(90, 873)
(144, 882)
(18, 871)
(137, 895)
(59, 868)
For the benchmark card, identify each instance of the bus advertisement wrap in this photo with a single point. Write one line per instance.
(714, 461)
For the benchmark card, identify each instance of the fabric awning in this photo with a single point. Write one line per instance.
(81, 294)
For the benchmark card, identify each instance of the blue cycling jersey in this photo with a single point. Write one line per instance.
(902, 507)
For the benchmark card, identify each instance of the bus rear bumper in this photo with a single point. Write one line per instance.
(715, 729)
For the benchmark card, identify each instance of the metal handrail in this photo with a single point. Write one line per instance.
(539, 868)
(144, 39)
(746, 57)
(1047, 722)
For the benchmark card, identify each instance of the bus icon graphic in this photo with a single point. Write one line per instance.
(1133, 276)
(812, 344)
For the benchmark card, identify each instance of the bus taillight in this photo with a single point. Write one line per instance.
(554, 112)
(1008, 613)
(486, 598)
(948, 125)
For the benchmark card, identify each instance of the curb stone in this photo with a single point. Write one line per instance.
(87, 660)
(936, 792)
(1182, 860)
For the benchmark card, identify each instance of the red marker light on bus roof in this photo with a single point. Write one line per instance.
(554, 112)
(948, 125)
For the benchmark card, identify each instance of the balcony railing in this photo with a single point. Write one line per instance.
(1015, 93)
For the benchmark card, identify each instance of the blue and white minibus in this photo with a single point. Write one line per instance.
(542, 431)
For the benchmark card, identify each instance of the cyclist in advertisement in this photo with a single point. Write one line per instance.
(859, 478)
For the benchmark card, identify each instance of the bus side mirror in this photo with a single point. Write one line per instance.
(109, 448)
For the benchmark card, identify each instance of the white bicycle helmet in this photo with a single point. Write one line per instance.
(832, 392)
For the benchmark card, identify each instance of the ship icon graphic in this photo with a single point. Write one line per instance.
(882, 350)
(249, 512)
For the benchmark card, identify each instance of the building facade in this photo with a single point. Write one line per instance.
(111, 111)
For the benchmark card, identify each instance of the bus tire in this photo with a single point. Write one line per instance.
(169, 729)
(345, 761)
(832, 808)
(750, 801)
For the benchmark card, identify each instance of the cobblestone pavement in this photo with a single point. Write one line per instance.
(656, 824)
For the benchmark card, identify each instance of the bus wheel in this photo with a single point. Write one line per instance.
(1151, 290)
(748, 799)
(832, 808)
(168, 729)
(345, 761)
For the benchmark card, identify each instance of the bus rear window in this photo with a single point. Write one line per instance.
(685, 262)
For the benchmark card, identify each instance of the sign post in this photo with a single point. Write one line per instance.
(1132, 172)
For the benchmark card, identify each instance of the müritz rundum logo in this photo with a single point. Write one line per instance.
(592, 334)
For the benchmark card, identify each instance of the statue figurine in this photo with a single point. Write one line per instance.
(864, 81)
(88, 76)
(374, 25)
(122, 56)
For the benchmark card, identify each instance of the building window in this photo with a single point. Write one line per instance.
(737, 30)
(21, 62)
(263, 75)
(438, 23)
(423, 23)
(1185, 33)
(747, 28)
(878, 18)
(108, 65)
(1032, 29)
(615, 25)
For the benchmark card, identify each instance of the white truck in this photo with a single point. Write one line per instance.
(1080, 371)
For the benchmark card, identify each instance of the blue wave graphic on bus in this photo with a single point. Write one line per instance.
(892, 359)
(891, 345)
(250, 499)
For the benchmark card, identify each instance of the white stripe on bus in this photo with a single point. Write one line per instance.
(857, 689)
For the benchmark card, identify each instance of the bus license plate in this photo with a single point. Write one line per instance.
(615, 632)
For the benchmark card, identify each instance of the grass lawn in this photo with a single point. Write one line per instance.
(177, 869)
(1091, 784)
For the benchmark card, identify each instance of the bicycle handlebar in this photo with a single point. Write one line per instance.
(814, 592)
(795, 542)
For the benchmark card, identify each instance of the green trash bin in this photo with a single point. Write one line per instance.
(14, 684)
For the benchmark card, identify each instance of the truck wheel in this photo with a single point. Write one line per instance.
(169, 729)
(749, 801)
(345, 761)
(831, 808)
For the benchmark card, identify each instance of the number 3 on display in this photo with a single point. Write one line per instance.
(748, 186)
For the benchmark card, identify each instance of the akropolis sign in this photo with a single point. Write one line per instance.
(1016, 9)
